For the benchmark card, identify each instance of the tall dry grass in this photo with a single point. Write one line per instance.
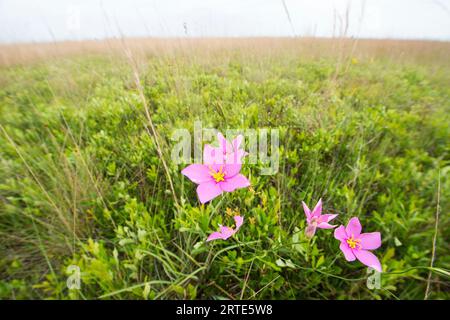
(199, 48)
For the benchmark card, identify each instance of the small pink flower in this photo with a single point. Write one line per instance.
(214, 179)
(226, 232)
(316, 219)
(355, 245)
(229, 153)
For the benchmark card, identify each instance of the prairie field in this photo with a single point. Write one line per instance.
(87, 178)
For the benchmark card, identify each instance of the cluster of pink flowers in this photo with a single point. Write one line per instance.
(220, 172)
(354, 244)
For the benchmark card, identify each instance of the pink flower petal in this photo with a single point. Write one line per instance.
(212, 155)
(235, 157)
(370, 241)
(325, 225)
(307, 211)
(310, 230)
(327, 217)
(226, 152)
(340, 234)
(208, 191)
(317, 211)
(214, 236)
(353, 227)
(324, 219)
(237, 142)
(197, 173)
(216, 167)
(348, 253)
(225, 146)
(238, 221)
(231, 170)
(226, 232)
(368, 258)
(236, 182)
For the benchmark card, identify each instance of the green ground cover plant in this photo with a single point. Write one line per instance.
(82, 180)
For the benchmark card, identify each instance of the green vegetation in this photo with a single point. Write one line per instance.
(81, 181)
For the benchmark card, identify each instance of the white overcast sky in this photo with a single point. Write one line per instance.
(56, 20)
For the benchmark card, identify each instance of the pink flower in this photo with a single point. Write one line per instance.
(214, 179)
(229, 153)
(355, 245)
(316, 219)
(226, 232)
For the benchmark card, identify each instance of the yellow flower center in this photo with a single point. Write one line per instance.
(218, 176)
(354, 243)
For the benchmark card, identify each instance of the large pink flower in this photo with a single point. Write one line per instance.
(229, 153)
(214, 179)
(356, 245)
(316, 219)
(226, 232)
